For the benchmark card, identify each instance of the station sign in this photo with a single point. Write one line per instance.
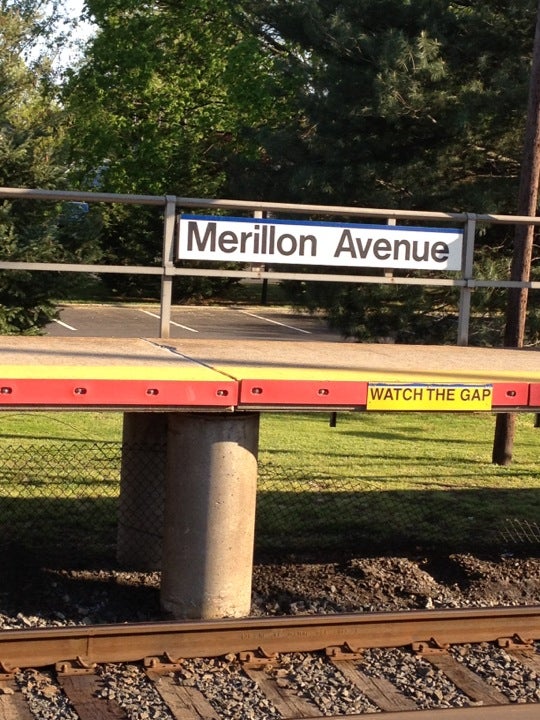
(439, 397)
(266, 241)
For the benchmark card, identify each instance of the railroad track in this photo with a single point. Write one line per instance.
(288, 667)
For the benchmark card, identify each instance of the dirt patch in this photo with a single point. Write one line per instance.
(366, 584)
(394, 583)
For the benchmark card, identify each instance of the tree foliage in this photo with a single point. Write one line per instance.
(32, 154)
(407, 104)
(161, 94)
(386, 103)
(402, 104)
(157, 106)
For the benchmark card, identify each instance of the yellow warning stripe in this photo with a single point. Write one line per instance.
(242, 372)
(197, 372)
(109, 372)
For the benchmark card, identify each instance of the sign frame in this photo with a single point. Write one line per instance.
(216, 238)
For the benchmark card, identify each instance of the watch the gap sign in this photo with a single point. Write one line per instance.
(266, 241)
(441, 397)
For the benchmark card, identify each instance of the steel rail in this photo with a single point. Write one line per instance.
(213, 638)
(494, 712)
(262, 274)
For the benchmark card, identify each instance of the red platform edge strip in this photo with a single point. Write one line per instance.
(513, 394)
(534, 395)
(341, 393)
(338, 393)
(212, 393)
(118, 393)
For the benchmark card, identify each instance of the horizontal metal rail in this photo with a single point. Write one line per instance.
(255, 205)
(269, 274)
(214, 638)
(82, 268)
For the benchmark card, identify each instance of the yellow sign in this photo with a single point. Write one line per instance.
(429, 396)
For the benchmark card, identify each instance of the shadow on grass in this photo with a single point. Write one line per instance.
(362, 523)
(60, 532)
(81, 532)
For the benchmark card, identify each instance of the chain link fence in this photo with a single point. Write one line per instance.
(59, 499)
(59, 502)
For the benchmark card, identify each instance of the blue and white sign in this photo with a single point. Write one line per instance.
(254, 240)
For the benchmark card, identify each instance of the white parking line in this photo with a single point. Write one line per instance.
(184, 327)
(276, 322)
(63, 324)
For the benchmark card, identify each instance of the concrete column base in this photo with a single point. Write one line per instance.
(209, 515)
(142, 490)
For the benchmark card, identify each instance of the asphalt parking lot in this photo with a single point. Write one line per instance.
(189, 321)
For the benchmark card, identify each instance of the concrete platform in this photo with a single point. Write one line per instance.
(131, 373)
(371, 362)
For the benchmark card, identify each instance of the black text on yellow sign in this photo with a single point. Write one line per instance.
(429, 396)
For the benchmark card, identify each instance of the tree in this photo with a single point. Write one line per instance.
(157, 106)
(516, 311)
(411, 105)
(32, 154)
(401, 104)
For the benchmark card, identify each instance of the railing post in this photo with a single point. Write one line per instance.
(264, 286)
(467, 275)
(169, 224)
(389, 272)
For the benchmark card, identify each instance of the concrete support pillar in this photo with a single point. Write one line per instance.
(209, 515)
(142, 490)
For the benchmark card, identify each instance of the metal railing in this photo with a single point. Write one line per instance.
(172, 205)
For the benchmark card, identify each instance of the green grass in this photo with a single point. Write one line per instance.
(59, 484)
(396, 480)
(401, 451)
(26, 426)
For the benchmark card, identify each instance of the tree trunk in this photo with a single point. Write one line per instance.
(516, 309)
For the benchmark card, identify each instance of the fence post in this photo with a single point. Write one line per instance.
(169, 223)
(389, 272)
(467, 264)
